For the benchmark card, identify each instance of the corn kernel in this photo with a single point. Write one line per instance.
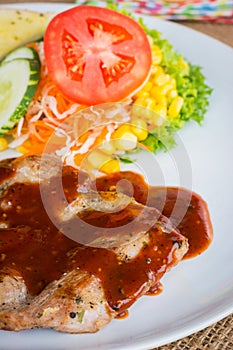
(97, 159)
(157, 70)
(126, 142)
(148, 114)
(136, 112)
(166, 88)
(111, 166)
(183, 64)
(124, 138)
(142, 93)
(172, 94)
(149, 103)
(160, 110)
(157, 120)
(140, 101)
(162, 79)
(156, 93)
(22, 149)
(156, 96)
(139, 112)
(155, 49)
(156, 55)
(163, 101)
(119, 132)
(107, 147)
(138, 122)
(153, 71)
(173, 82)
(3, 144)
(145, 102)
(139, 128)
(147, 86)
(175, 107)
(150, 40)
(156, 59)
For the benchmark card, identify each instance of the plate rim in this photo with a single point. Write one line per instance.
(224, 312)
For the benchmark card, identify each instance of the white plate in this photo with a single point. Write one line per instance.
(197, 292)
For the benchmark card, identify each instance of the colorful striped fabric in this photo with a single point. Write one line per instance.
(207, 10)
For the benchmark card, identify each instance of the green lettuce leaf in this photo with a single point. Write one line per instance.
(191, 86)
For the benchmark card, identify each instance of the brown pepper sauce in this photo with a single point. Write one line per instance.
(34, 247)
(191, 216)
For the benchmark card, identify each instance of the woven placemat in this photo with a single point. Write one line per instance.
(220, 335)
(217, 337)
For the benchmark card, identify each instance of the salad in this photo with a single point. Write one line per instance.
(118, 83)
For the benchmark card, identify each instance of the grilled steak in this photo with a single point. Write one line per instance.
(74, 263)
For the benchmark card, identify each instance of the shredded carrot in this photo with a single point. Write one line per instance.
(97, 136)
(43, 125)
(40, 120)
(39, 129)
(78, 158)
(30, 148)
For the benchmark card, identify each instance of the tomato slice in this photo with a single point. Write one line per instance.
(96, 55)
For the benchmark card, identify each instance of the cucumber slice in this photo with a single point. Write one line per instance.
(18, 82)
(21, 52)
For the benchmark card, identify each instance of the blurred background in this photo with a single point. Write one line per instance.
(211, 17)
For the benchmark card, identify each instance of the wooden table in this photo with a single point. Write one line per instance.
(220, 335)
